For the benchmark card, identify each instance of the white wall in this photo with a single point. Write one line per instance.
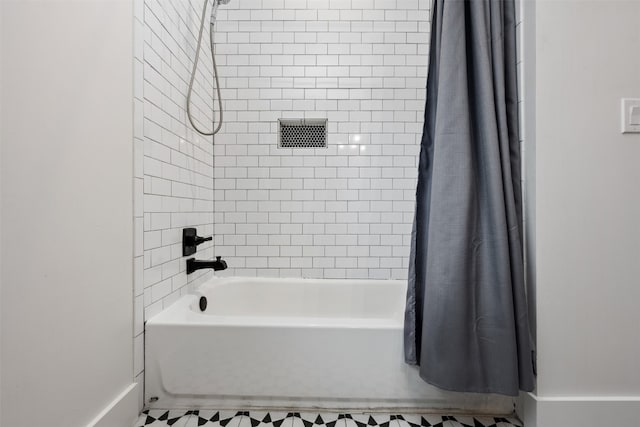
(587, 214)
(1, 224)
(66, 210)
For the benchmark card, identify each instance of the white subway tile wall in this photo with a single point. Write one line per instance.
(173, 170)
(344, 211)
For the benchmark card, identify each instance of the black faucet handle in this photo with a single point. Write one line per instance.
(202, 239)
(190, 241)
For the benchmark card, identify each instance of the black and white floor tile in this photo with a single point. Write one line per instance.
(212, 418)
(163, 418)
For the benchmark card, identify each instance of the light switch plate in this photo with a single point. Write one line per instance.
(630, 115)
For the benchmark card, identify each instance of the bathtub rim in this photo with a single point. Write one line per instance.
(184, 312)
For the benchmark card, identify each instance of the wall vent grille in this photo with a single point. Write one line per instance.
(302, 133)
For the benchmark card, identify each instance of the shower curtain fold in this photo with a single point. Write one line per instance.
(466, 322)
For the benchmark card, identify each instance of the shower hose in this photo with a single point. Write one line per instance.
(215, 74)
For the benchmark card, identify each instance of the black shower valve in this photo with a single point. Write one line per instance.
(190, 241)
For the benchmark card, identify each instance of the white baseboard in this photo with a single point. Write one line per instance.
(121, 412)
(580, 411)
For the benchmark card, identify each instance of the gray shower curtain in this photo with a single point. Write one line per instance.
(466, 323)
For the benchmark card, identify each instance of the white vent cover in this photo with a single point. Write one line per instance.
(302, 133)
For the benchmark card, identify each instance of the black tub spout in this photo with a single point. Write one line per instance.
(194, 264)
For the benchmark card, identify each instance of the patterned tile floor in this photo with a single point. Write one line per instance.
(160, 418)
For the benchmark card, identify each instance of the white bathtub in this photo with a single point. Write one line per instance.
(295, 343)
